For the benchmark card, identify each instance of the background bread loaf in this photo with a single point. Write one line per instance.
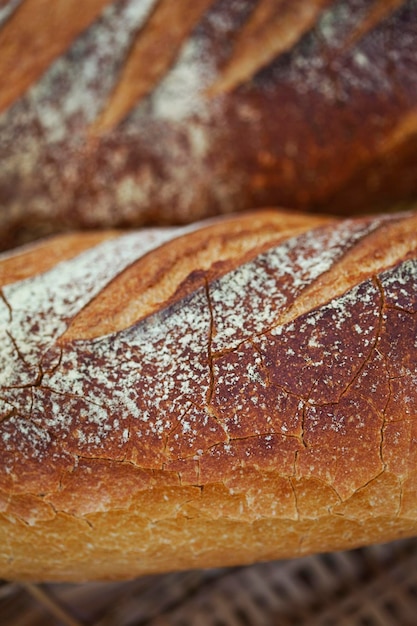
(229, 392)
(152, 111)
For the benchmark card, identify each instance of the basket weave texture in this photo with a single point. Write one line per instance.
(374, 586)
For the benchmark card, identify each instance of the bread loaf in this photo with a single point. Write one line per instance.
(235, 391)
(152, 111)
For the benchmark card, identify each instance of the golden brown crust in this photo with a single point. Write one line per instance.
(265, 410)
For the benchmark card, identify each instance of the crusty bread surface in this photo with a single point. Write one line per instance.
(140, 112)
(239, 390)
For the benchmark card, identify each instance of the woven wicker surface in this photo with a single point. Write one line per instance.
(376, 586)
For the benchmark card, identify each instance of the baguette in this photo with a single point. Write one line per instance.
(235, 391)
(152, 111)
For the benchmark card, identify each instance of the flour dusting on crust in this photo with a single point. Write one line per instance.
(182, 384)
(39, 309)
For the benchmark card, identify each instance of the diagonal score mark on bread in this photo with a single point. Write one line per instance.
(7, 8)
(375, 13)
(214, 256)
(279, 25)
(149, 59)
(183, 266)
(360, 263)
(45, 254)
(35, 35)
(404, 131)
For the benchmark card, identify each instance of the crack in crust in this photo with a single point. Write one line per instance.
(9, 309)
(210, 342)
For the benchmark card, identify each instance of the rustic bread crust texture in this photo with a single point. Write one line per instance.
(239, 390)
(151, 111)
